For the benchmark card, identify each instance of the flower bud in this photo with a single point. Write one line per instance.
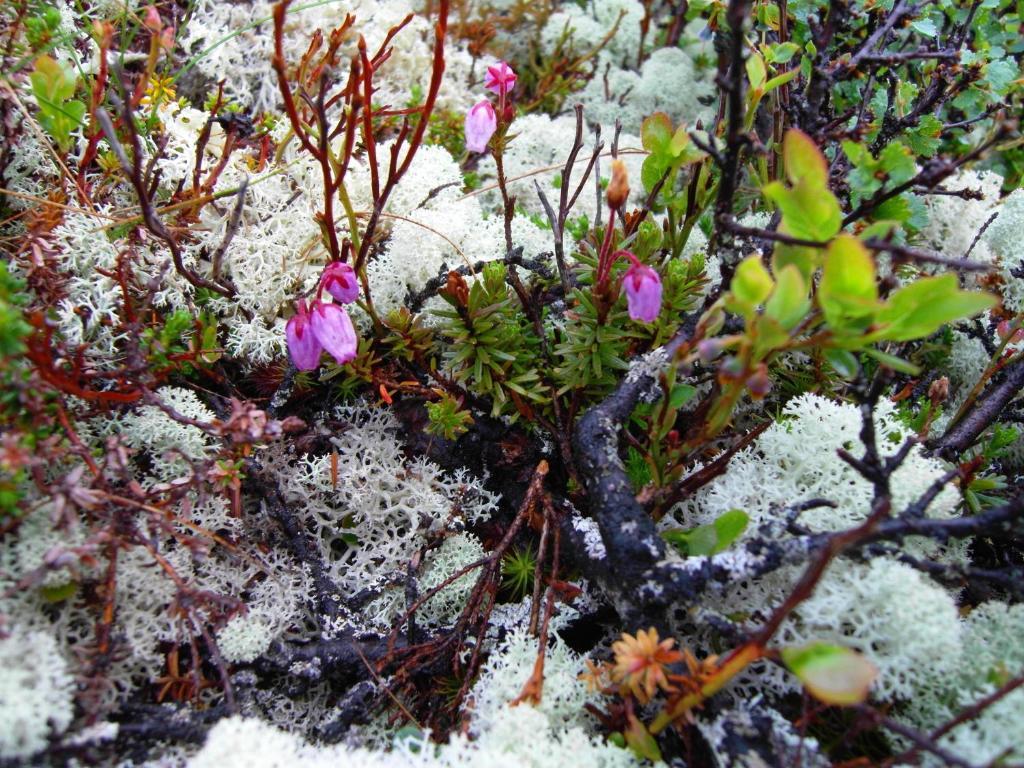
(481, 123)
(709, 349)
(339, 280)
(759, 384)
(618, 187)
(456, 289)
(152, 19)
(730, 369)
(1008, 334)
(938, 391)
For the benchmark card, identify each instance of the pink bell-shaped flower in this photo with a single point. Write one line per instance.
(643, 292)
(481, 123)
(500, 78)
(339, 280)
(333, 329)
(303, 345)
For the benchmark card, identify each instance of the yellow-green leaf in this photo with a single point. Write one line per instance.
(847, 290)
(803, 160)
(751, 284)
(756, 72)
(921, 308)
(788, 303)
(831, 673)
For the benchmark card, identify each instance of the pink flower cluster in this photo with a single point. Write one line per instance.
(324, 325)
(482, 119)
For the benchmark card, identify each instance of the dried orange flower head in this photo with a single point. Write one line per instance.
(618, 187)
(640, 663)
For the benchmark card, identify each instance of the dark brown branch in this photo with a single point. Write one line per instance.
(963, 434)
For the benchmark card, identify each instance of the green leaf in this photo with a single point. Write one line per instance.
(654, 167)
(896, 363)
(843, 361)
(53, 85)
(783, 52)
(788, 304)
(751, 284)
(898, 163)
(925, 27)
(809, 211)
(833, 674)
(803, 258)
(710, 539)
(847, 292)
(641, 741)
(656, 132)
(680, 395)
(756, 72)
(730, 526)
(780, 80)
(924, 140)
(60, 593)
(921, 308)
(803, 159)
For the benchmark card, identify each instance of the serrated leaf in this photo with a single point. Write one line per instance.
(809, 212)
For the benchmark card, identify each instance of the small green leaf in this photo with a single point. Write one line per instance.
(788, 304)
(751, 284)
(641, 741)
(780, 80)
(730, 526)
(53, 86)
(831, 673)
(805, 259)
(756, 72)
(896, 363)
(843, 361)
(847, 292)
(58, 594)
(710, 539)
(921, 308)
(809, 211)
(803, 159)
(783, 52)
(681, 394)
(656, 132)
